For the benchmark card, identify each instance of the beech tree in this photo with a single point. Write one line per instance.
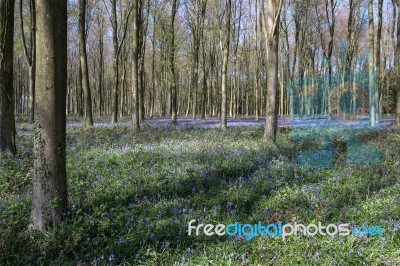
(118, 42)
(30, 53)
(84, 63)
(270, 24)
(49, 199)
(135, 67)
(373, 95)
(225, 54)
(7, 120)
(397, 70)
(171, 59)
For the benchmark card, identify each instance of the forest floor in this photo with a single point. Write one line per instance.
(131, 198)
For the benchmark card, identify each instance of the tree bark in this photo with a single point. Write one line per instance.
(30, 55)
(84, 63)
(7, 119)
(115, 67)
(373, 101)
(397, 68)
(225, 54)
(270, 27)
(49, 199)
(135, 69)
(379, 78)
(172, 64)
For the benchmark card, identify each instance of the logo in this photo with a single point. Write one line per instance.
(249, 231)
(332, 102)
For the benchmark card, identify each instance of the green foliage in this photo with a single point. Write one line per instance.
(131, 198)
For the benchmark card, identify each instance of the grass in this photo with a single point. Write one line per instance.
(131, 198)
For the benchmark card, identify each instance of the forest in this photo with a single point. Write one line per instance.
(199, 132)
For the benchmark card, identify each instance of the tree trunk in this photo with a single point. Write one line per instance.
(101, 66)
(204, 85)
(270, 24)
(135, 69)
(49, 199)
(7, 119)
(397, 67)
(379, 78)
(204, 67)
(225, 54)
(373, 107)
(172, 64)
(84, 63)
(30, 55)
(195, 74)
(114, 100)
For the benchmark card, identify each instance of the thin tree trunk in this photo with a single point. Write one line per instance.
(225, 54)
(135, 69)
(84, 63)
(371, 62)
(204, 85)
(172, 64)
(30, 55)
(378, 55)
(397, 68)
(115, 67)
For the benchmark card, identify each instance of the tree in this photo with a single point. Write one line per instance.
(7, 120)
(373, 95)
(172, 63)
(379, 78)
(270, 24)
(225, 55)
(49, 199)
(135, 67)
(30, 54)
(195, 17)
(327, 49)
(84, 63)
(397, 69)
(117, 44)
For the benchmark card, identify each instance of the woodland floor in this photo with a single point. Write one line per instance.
(131, 198)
